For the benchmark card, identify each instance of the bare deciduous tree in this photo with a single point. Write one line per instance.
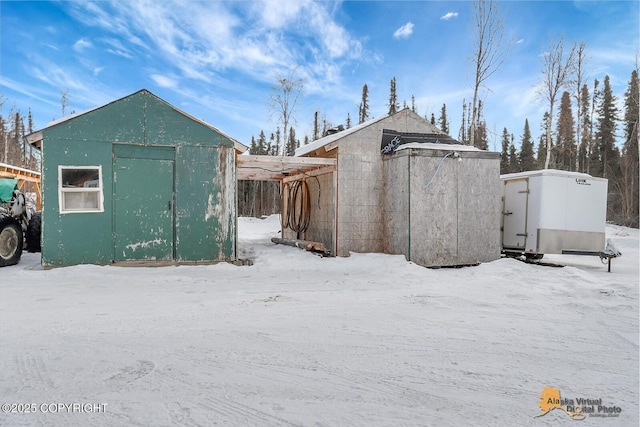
(489, 54)
(557, 66)
(578, 82)
(284, 99)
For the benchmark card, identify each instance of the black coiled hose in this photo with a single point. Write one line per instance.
(295, 208)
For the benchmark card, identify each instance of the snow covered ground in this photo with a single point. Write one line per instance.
(295, 339)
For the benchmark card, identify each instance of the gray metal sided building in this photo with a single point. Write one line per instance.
(437, 203)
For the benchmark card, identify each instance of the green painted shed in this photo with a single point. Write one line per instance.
(137, 181)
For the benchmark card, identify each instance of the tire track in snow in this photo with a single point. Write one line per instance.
(34, 372)
(240, 414)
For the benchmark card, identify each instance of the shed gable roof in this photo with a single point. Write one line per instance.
(36, 137)
(329, 139)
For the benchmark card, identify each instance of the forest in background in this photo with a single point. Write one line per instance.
(586, 127)
(601, 141)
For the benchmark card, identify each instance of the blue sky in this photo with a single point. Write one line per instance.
(219, 60)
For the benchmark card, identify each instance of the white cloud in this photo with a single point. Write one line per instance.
(449, 15)
(82, 44)
(404, 32)
(164, 81)
(279, 13)
(117, 48)
(520, 41)
(204, 41)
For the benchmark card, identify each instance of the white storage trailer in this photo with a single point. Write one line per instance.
(553, 212)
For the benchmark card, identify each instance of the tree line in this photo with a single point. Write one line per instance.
(14, 149)
(584, 137)
(587, 134)
(588, 143)
(585, 141)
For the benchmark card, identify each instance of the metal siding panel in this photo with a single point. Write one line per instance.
(205, 204)
(75, 238)
(143, 209)
(121, 121)
(479, 210)
(163, 124)
(434, 211)
(396, 208)
(130, 151)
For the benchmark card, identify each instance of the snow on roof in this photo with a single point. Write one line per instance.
(318, 143)
(434, 146)
(547, 172)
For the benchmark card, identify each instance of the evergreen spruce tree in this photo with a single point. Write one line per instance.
(348, 121)
(30, 128)
(363, 115)
(630, 161)
(606, 133)
(541, 153)
(504, 154)
(541, 159)
(4, 140)
(393, 98)
(443, 121)
(565, 138)
(316, 126)
(526, 159)
(462, 133)
(513, 158)
(278, 143)
(262, 144)
(433, 119)
(413, 103)
(292, 143)
(584, 128)
(482, 139)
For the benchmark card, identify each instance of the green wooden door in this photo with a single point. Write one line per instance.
(143, 209)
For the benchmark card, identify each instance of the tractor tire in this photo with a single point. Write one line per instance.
(34, 230)
(11, 240)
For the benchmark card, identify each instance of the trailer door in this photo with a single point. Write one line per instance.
(516, 196)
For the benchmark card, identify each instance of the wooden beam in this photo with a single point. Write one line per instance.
(258, 175)
(283, 162)
(309, 174)
(277, 168)
(302, 244)
(23, 175)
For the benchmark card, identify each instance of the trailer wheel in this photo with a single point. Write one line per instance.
(11, 241)
(34, 230)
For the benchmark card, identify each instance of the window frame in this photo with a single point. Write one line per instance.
(62, 190)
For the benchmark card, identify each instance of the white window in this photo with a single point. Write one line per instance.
(80, 189)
